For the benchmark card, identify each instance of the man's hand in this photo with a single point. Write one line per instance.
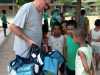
(30, 42)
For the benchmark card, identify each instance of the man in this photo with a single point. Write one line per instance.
(27, 26)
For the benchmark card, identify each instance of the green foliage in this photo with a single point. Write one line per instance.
(98, 2)
(65, 1)
(21, 2)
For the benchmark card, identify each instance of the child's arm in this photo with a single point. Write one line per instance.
(84, 62)
(96, 40)
(92, 68)
(65, 47)
(89, 37)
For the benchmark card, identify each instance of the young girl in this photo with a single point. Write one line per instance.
(56, 40)
(83, 63)
(95, 42)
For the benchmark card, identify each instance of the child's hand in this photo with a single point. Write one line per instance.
(90, 72)
(93, 72)
(49, 49)
(45, 48)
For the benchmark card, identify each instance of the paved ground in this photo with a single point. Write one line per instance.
(6, 54)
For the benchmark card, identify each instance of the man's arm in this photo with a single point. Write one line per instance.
(18, 31)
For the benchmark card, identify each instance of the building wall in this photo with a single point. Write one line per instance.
(10, 9)
(3, 7)
(7, 1)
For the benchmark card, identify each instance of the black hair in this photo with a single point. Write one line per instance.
(64, 22)
(97, 22)
(72, 23)
(83, 12)
(4, 11)
(57, 24)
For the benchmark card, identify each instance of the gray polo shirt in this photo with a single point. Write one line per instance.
(29, 19)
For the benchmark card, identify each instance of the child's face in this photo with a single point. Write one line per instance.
(45, 41)
(57, 31)
(70, 30)
(64, 28)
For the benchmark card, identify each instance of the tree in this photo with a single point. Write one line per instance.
(98, 6)
(78, 9)
(21, 2)
(64, 1)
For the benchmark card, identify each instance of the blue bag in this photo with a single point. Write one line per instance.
(56, 54)
(26, 69)
(50, 66)
(25, 66)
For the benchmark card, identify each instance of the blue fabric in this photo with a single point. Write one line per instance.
(50, 66)
(26, 69)
(56, 54)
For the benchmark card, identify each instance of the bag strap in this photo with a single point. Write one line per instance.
(31, 50)
(25, 50)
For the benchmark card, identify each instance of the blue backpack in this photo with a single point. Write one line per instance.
(52, 62)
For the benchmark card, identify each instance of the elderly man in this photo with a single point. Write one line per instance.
(27, 26)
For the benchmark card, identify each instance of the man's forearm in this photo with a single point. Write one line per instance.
(18, 31)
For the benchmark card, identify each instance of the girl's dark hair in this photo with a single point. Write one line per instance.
(97, 22)
(56, 25)
(83, 12)
(65, 21)
(72, 23)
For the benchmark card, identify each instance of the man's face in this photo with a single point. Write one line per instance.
(45, 4)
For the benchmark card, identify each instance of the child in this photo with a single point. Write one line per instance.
(71, 49)
(4, 21)
(95, 42)
(64, 27)
(56, 41)
(83, 63)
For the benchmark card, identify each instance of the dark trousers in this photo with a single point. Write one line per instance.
(4, 28)
(5, 31)
(69, 71)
